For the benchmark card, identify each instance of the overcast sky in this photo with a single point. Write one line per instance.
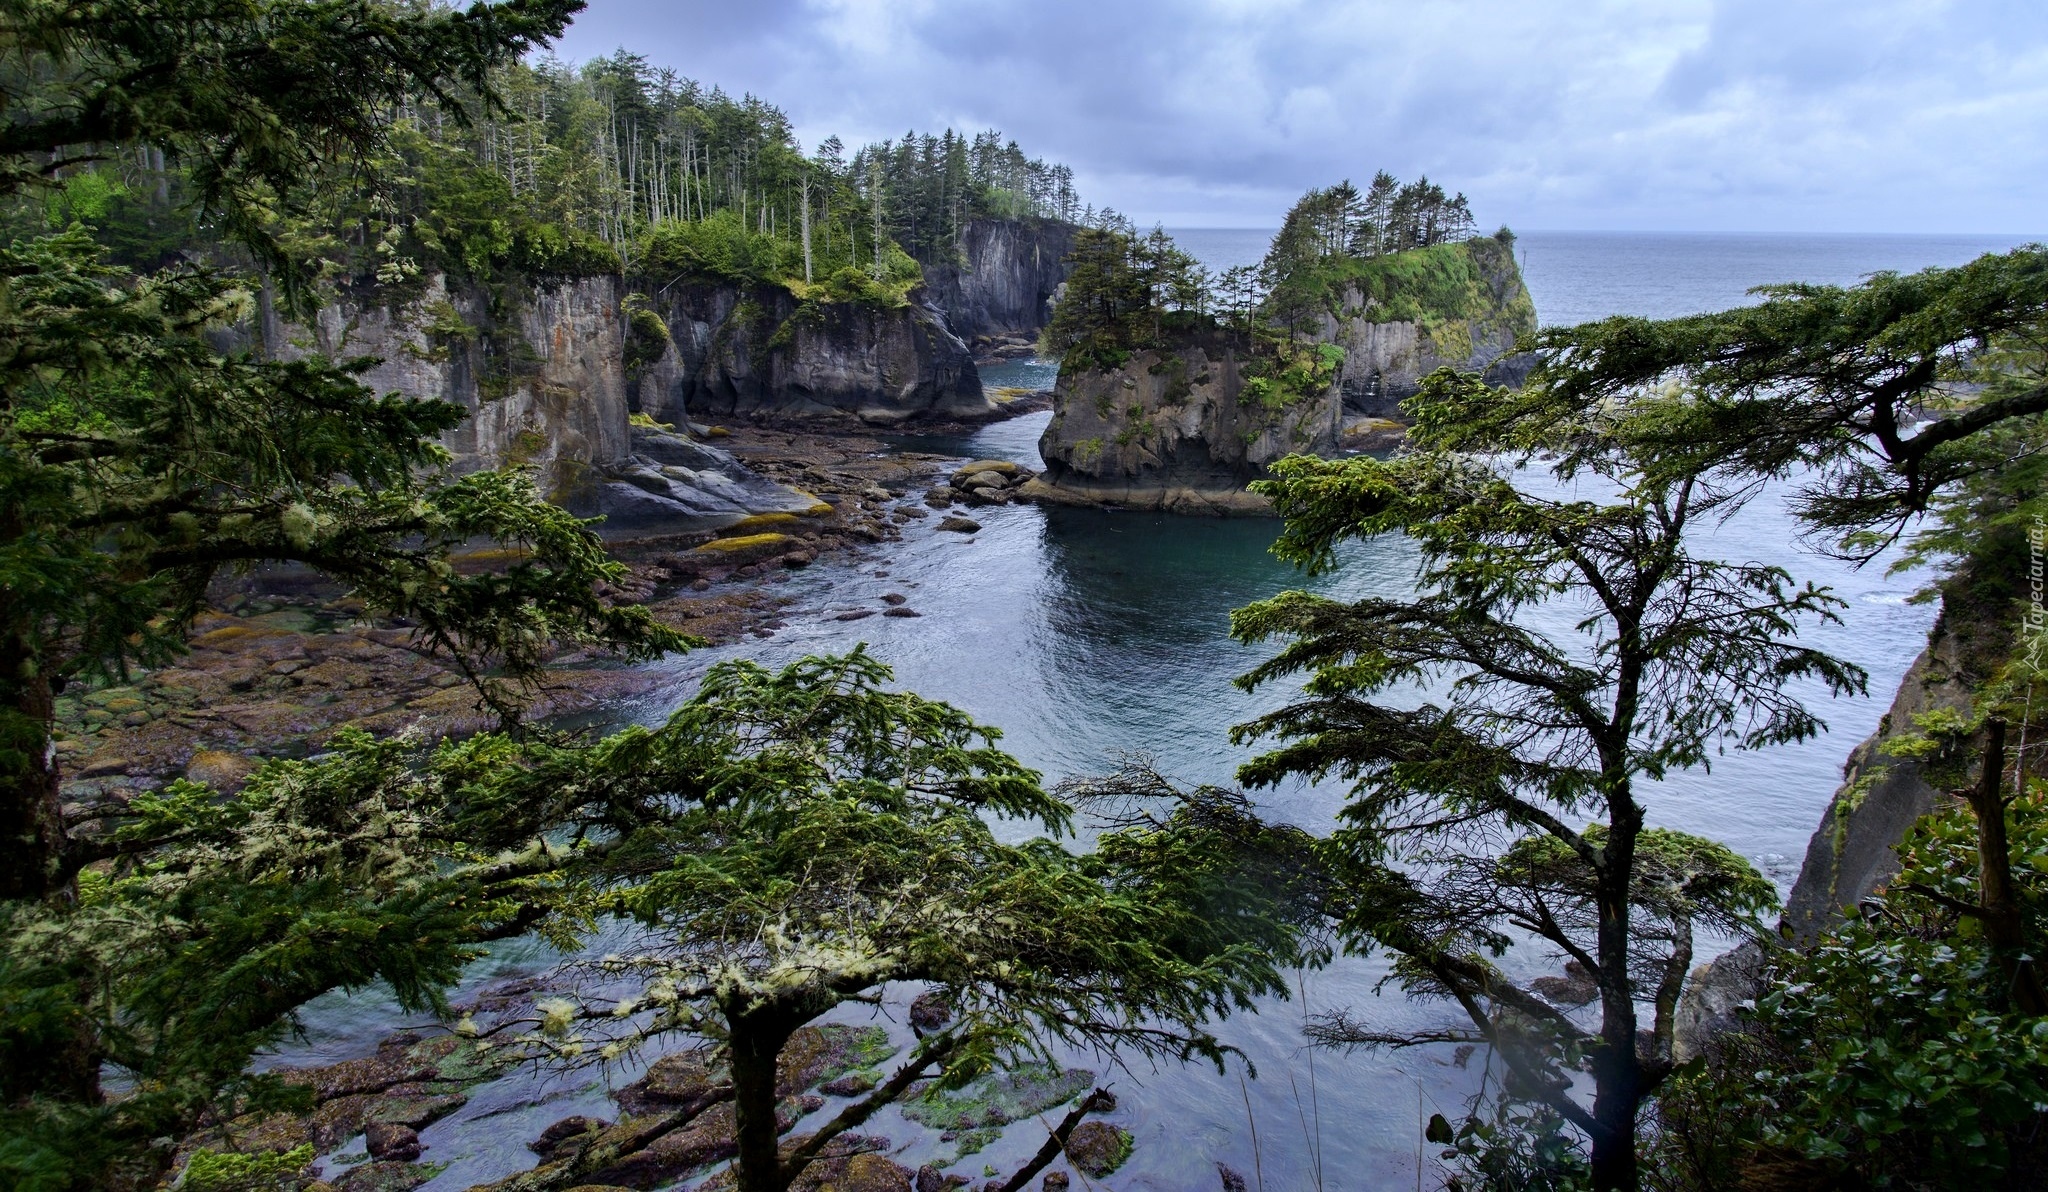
(1792, 115)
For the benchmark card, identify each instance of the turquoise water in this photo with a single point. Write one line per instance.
(1086, 634)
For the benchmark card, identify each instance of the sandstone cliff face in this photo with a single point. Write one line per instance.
(1009, 271)
(1386, 359)
(1172, 430)
(1852, 853)
(761, 352)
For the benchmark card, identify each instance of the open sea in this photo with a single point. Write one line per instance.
(1085, 634)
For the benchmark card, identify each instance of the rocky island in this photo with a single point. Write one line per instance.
(1174, 393)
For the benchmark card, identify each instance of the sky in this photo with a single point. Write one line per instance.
(1679, 115)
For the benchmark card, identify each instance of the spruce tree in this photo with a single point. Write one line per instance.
(1509, 801)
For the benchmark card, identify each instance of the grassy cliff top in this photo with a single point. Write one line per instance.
(1474, 280)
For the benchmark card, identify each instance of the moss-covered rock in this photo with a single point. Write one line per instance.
(973, 1116)
(1098, 1148)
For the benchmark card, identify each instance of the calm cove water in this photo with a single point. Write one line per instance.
(1084, 634)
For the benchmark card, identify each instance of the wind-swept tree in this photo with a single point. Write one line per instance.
(136, 461)
(1876, 395)
(1507, 803)
(829, 836)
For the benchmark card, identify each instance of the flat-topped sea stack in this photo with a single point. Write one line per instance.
(1173, 429)
(1183, 417)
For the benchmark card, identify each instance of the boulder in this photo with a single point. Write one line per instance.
(929, 1011)
(416, 1110)
(567, 1131)
(873, 1173)
(1713, 998)
(941, 496)
(961, 525)
(1575, 988)
(1098, 1148)
(224, 772)
(1002, 471)
(391, 1142)
(1056, 1181)
(675, 1079)
(853, 1084)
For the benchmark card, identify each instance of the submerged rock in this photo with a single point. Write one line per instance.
(1098, 1148)
(382, 1176)
(569, 1132)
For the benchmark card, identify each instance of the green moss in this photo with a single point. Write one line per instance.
(526, 447)
(217, 1171)
(744, 542)
(1291, 374)
(444, 329)
(977, 1113)
(1474, 281)
(1452, 339)
(1087, 452)
(647, 337)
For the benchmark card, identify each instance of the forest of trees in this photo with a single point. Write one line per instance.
(616, 146)
(790, 840)
(593, 167)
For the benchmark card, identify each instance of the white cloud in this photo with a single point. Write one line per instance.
(1769, 114)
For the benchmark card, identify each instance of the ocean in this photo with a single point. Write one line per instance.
(1087, 634)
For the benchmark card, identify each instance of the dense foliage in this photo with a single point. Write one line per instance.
(137, 461)
(1506, 804)
(1887, 1054)
(826, 836)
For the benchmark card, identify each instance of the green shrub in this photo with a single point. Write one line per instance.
(1886, 1055)
(719, 248)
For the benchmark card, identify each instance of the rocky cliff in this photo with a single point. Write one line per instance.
(760, 351)
(1173, 429)
(1182, 428)
(1851, 854)
(1004, 278)
(1407, 315)
(541, 368)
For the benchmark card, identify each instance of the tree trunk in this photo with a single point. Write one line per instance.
(1617, 1070)
(2004, 929)
(32, 869)
(756, 1043)
(31, 816)
(806, 220)
(1616, 1080)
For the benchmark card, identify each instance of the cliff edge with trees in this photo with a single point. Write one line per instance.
(1178, 388)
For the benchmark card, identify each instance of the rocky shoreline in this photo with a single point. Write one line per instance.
(284, 659)
(672, 1122)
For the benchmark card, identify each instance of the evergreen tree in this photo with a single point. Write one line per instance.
(136, 462)
(1508, 801)
(829, 837)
